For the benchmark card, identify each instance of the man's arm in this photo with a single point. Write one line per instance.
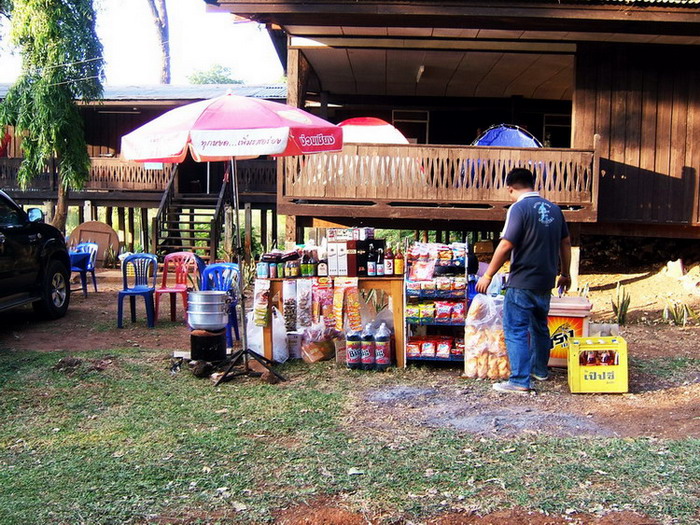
(564, 280)
(500, 256)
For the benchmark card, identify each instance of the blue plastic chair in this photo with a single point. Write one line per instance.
(89, 267)
(224, 277)
(145, 268)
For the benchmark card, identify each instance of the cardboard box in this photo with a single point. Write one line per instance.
(332, 252)
(342, 259)
(598, 378)
(294, 344)
(357, 256)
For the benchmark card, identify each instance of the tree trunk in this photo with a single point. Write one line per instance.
(160, 19)
(61, 214)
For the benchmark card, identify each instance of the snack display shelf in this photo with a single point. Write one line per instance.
(436, 294)
(433, 322)
(452, 358)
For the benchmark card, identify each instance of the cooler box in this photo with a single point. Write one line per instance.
(568, 317)
(598, 364)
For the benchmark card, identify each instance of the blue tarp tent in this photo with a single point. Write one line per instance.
(507, 135)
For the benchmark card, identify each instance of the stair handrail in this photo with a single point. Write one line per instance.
(165, 201)
(218, 218)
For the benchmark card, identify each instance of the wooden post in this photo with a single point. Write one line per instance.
(81, 214)
(248, 232)
(90, 211)
(144, 229)
(290, 229)
(575, 235)
(50, 207)
(132, 228)
(438, 235)
(109, 211)
(263, 229)
(425, 236)
(121, 229)
(229, 227)
(275, 240)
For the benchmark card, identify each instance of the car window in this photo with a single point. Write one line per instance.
(9, 216)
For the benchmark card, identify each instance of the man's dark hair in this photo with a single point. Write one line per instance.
(520, 179)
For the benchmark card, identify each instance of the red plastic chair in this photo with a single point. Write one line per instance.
(183, 264)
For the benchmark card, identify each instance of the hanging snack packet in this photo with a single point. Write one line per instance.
(304, 303)
(323, 301)
(289, 302)
(261, 294)
(352, 307)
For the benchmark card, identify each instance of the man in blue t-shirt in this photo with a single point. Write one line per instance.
(537, 239)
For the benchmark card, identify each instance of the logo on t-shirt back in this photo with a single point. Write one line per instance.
(543, 213)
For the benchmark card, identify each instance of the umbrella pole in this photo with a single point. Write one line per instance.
(244, 353)
(239, 252)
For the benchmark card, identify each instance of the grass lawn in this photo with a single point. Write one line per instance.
(133, 443)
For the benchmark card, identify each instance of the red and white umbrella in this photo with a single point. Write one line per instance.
(231, 126)
(370, 130)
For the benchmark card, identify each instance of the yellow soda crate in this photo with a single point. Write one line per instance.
(598, 365)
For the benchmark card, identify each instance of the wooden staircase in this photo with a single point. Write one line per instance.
(190, 222)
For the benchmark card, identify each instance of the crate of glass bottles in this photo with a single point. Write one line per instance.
(598, 365)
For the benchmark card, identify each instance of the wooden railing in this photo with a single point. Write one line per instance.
(113, 174)
(8, 176)
(254, 176)
(257, 176)
(447, 176)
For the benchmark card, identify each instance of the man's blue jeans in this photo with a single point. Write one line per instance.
(527, 334)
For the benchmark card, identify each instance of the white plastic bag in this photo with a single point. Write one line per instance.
(280, 351)
(254, 333)
(485, 354)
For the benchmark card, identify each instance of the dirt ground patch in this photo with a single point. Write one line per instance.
(522, 517)
(91, 324)
(330, 513)
(471, 406)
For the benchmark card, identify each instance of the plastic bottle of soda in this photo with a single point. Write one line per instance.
(353, 349)
(382, 348)
(367, 348)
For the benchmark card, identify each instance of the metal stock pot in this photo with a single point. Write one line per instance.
(207, 310)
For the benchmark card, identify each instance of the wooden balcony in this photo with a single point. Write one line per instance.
(114, 182)
(434, 182)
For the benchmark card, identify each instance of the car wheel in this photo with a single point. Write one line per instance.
(55, 291)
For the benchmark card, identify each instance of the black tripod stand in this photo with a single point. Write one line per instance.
(246, 354)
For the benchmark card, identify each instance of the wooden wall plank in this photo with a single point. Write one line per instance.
(661, 202)
(632, 203)
(647, 150)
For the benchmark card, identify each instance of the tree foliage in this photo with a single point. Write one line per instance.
(5, 7)
(216, 74)
(61, 63)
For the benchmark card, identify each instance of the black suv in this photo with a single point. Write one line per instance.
(34, 262)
